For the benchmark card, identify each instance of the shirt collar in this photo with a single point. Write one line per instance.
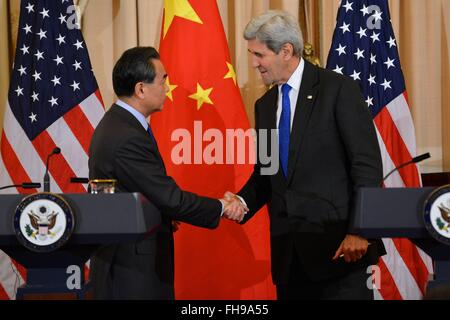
(296, 78)
(139, 116)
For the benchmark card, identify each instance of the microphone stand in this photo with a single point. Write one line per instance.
(414, 160)
(25, 185)
(46, 175)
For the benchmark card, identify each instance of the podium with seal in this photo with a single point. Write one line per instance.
(420, 214)
(53, 236)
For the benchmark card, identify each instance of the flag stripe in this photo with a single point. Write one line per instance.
(24, 150)
(20, 269)
(93, 109)
(86, 271)
(377, 295)
(388, 290)
(396, 147)
(3, 294)
(412, 256)
(83, 133)
(427, 261)
(44, 145)
(401, 116)
(100, 99)
(5, 178)
(394, 179)
(414, 262)
(403, 279)
(7, 276)
(12, 163)
(10, 277)
(71, 149)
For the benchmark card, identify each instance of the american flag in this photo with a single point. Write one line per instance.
(364, 48)
(53, 100)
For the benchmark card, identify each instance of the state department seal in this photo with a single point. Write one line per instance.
(437, 214)
(43, 222)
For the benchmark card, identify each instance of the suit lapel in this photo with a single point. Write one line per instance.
(130, 119)
(271, 108)
(305, 102)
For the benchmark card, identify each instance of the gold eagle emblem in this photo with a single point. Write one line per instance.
(48, 221)
(445, 213)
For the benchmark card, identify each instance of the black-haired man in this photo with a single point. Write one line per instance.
(123, 148)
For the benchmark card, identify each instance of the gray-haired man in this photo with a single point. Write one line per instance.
(328, 149)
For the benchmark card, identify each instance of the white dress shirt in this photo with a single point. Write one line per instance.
(139, 116)
(294, 82)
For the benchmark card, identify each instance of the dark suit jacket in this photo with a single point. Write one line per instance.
(122, 149)
(333, 151)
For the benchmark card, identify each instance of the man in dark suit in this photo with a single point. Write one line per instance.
(327, 149)
(123, 148)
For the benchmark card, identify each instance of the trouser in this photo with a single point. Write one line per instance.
(351, 286)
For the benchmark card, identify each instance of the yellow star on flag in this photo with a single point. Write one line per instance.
(178, 8)
(202, 96)
(171, 88)
(231, 73)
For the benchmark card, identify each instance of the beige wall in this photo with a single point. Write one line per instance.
(422, 29)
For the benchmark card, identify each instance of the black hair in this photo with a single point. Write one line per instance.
(135, 65)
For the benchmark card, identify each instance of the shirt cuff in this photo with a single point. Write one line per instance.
(243, 201)
(223, 208)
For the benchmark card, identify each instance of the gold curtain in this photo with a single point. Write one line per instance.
(422, 29)
(5, 56)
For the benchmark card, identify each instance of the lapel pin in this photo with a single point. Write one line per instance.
(310, 97)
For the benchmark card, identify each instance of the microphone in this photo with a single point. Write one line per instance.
(24, 185)
(46, 175)
(414, 160)
(79, 180)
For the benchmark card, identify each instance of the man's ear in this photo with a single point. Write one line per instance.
(287, 50)
(139, 90)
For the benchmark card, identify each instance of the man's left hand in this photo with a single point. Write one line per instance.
(352, 248)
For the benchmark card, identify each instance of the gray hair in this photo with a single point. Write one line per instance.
(274, 29)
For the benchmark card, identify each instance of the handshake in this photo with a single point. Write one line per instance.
(234, 208)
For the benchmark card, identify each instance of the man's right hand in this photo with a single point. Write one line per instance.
(234, 209)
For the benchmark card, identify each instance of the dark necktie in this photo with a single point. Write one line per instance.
(284, 128)
(150, 132)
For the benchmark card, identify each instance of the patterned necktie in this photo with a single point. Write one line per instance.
(284, 128)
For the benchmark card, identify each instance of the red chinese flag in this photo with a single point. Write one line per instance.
(204, 102)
